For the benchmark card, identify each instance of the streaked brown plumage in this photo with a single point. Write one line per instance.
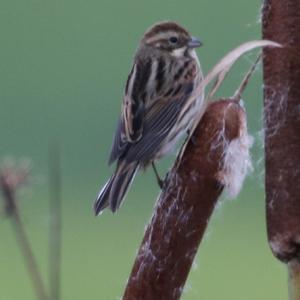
(156, 109)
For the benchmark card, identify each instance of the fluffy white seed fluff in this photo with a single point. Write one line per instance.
(236, 162)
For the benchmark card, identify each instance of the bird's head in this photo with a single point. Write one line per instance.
(170, 37)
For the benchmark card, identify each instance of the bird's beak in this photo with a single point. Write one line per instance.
(194, 43)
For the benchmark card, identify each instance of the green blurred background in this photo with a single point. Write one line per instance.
(63, 65)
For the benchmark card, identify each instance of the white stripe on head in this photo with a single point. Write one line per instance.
(161, 35)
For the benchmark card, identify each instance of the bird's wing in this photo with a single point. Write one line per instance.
(142, 128)
(158, 123)
(130, 125)
(120, 142)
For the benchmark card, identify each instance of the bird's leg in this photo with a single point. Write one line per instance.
(159, 180)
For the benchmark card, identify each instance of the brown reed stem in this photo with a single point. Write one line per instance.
(23, 241)
(281, 23)
(55, 223)
(184, 207)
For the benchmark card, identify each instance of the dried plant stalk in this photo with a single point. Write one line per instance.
(55, 223)
(184, 207)
(281, 23)
(10, 180)
(221, 69)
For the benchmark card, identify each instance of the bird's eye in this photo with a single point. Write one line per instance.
(173, 39)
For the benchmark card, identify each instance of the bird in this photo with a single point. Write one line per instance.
(158, 107)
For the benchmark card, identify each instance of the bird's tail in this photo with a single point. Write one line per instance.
(116, 187)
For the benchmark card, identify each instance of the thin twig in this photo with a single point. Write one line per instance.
(219, 80)
(219, 72)
(238, 94)
(55, 222)
(28, 255)
(9, 196)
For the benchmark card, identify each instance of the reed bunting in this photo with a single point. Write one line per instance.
(157, 106)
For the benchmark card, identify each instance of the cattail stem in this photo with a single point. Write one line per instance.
(184, 207)
(12, 211)
(294, 280)
(281, 23)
